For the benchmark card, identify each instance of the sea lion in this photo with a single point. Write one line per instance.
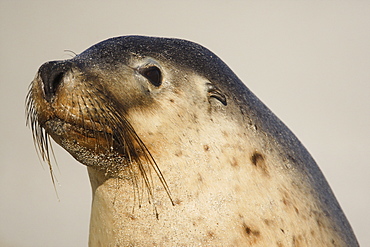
(179, 151)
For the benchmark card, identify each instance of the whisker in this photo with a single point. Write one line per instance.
(130, 134)
(41, 139)
(98, 114)
(102, 124)
(90, 116)
(70, 51)
(81, 113)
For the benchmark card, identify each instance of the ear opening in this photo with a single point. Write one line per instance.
(214, 92)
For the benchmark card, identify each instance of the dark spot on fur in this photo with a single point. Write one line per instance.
(251, 235)
(130, 216)
(320, 220)
(177, 201)
(200, 178)
(172, 100)
(285, 201)
(267, 222)
(250, 232)
(195, 118)
(256, 157)
(319, 223)
(282, 230)
(178, 153)
(206, 148)
(234, 163)
(279, 244)
(294, 241)
(210, 234)
(296, 209)
(292, 158)
(258, 160)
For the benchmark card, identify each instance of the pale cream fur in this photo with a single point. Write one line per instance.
(221, 198)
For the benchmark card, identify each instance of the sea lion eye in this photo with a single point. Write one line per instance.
(153, 74)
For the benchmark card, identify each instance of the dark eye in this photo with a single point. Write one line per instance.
(153, 74)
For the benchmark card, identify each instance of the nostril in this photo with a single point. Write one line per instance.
(52, 74)
(54, 81)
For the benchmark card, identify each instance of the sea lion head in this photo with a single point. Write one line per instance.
(109, 105)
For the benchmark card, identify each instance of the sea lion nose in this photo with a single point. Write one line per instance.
(52, 74)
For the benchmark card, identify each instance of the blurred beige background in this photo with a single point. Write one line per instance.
(308, 61)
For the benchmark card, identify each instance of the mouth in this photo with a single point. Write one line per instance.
(59, 126)
(89, 135)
